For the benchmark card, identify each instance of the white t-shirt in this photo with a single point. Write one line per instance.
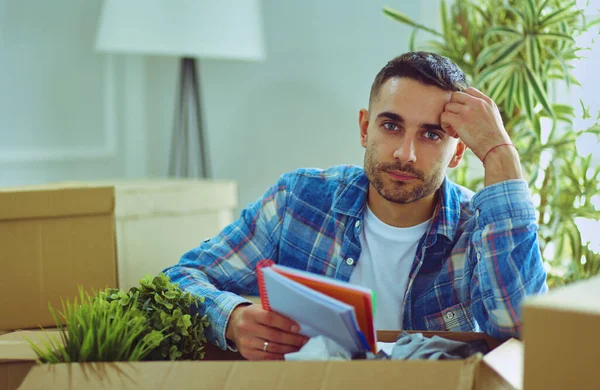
(384, 266)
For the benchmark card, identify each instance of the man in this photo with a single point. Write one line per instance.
(438, 257)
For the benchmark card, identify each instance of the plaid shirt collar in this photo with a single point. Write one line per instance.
(446, 216)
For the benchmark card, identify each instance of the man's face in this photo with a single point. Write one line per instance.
(407, 152)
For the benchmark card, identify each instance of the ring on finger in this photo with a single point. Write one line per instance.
(265, 346)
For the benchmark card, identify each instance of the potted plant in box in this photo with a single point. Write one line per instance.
(150, 322)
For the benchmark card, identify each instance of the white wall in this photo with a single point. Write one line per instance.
(62, 104)
(69, 113)
(300, 107)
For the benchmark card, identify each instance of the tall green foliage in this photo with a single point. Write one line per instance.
(95, 330)
(515, 51)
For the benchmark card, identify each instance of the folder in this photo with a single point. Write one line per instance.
(320, 305)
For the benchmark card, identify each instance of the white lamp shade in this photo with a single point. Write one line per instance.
(230, 29)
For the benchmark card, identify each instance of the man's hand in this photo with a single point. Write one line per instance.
(475, 119)
(250, 326)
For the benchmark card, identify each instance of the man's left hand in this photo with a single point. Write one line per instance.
(475, 119)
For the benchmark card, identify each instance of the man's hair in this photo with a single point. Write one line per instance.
(426, 68)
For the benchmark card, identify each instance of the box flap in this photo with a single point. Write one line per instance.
(56, 200)
(174, 196)
(580, 297)
(15, 347)
(507, 361)
(359, 375)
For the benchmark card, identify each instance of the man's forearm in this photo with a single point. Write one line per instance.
(508, 264)
(502, 164)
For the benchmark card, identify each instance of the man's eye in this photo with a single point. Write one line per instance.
(432, 135)
(390, 126)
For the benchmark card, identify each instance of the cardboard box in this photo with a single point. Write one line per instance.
(560, 330)
(52, 239)
(225, 370)
(17, 357)
(157, 221)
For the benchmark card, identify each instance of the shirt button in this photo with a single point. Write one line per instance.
(350, 261)
(449, 315)
(357, 224)
(478, 256)
(477, 213)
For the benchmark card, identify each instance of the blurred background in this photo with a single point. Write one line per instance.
(70, 111)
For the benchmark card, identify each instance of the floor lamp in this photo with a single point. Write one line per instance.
(188, 29)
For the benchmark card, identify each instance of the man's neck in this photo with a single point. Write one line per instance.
(398, 214)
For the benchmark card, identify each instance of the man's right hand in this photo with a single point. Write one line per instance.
(250, 326)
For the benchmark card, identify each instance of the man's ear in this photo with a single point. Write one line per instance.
(363, 123)
(458, 154)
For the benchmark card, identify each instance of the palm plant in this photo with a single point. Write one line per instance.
(516, 51)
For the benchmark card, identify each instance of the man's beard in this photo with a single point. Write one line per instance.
(398, 191)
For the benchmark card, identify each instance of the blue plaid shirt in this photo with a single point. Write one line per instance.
(477, 261)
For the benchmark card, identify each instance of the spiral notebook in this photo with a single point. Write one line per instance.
(320, 305)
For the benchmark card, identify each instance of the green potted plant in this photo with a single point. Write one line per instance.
(515, 51)
(150, 322)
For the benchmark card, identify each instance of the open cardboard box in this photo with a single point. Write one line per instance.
(560, 332)
(499, 369)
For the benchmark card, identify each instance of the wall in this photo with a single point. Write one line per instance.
(61, 103)
(70, 113)
(300, 107)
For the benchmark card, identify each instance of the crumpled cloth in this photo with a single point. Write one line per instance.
(319, 348)
(408, 346)
(414, 346)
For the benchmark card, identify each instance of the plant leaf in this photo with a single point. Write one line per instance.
(554, 36)
(560, 15)
(492, 71)
(586, 110)
(538, 90)
(412, 39)
(512, 94)
(503, 31)
(498, 88)
(510, 51)
(530, 12)
(402, 18)
(525, 93)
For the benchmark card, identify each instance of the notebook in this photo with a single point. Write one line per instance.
(320, 305)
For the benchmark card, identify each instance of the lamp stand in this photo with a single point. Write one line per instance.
(189, 155)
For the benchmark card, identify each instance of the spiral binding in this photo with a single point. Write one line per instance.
(262, 289)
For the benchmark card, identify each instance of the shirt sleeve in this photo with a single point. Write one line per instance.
(223, 268)
(506, 257)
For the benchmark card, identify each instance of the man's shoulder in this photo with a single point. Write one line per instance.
(462, 193)
(333, 176)
(458, 198)
(321, 187)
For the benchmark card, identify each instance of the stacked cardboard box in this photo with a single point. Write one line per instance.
(158, 220)
(52, 240)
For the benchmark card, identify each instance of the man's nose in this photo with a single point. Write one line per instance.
(405, 152)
